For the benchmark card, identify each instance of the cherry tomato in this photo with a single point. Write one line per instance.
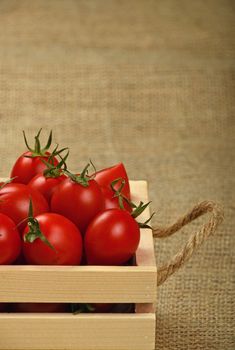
(27, 166)
(47, 182)
(14, 202)
(63, 236)
(106, 176)
(30, 163)
(78, 203)
(111, 238)
(10, 242)
(46, 185)
(38, 307)
(111, 202)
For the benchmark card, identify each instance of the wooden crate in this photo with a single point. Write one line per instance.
(91, 284)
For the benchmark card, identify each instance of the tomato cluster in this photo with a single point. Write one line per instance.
(50, 216)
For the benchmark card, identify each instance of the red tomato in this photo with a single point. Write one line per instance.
(104, 178)
(78, 203)
(111, 238)
(46, 185)
(111, 202)
(25, 168)
(10, 242)
(62, 234)
(14, 202)
(38, 307)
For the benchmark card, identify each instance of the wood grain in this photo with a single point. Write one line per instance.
(77, 284)
(86, 331)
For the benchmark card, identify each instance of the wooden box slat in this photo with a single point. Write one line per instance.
(87, 331)
(77, 284)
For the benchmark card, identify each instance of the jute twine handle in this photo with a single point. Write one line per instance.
(194, 241)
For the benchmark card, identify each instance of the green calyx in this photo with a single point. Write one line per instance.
(34, 229)
(53, 170)
(118, 192)
(145, 224)
(136, 209)
(38, 150)
(83, 178)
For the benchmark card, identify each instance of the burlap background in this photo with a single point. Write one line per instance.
(149, 83)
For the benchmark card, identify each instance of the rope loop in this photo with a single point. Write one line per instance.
(194, 242)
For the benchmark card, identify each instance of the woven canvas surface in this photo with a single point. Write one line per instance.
(149, 83)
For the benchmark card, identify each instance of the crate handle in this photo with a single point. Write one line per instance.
(194, 242)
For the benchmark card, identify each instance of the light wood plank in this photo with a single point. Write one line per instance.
(145, 254)
(77, 284)
(80, 332)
